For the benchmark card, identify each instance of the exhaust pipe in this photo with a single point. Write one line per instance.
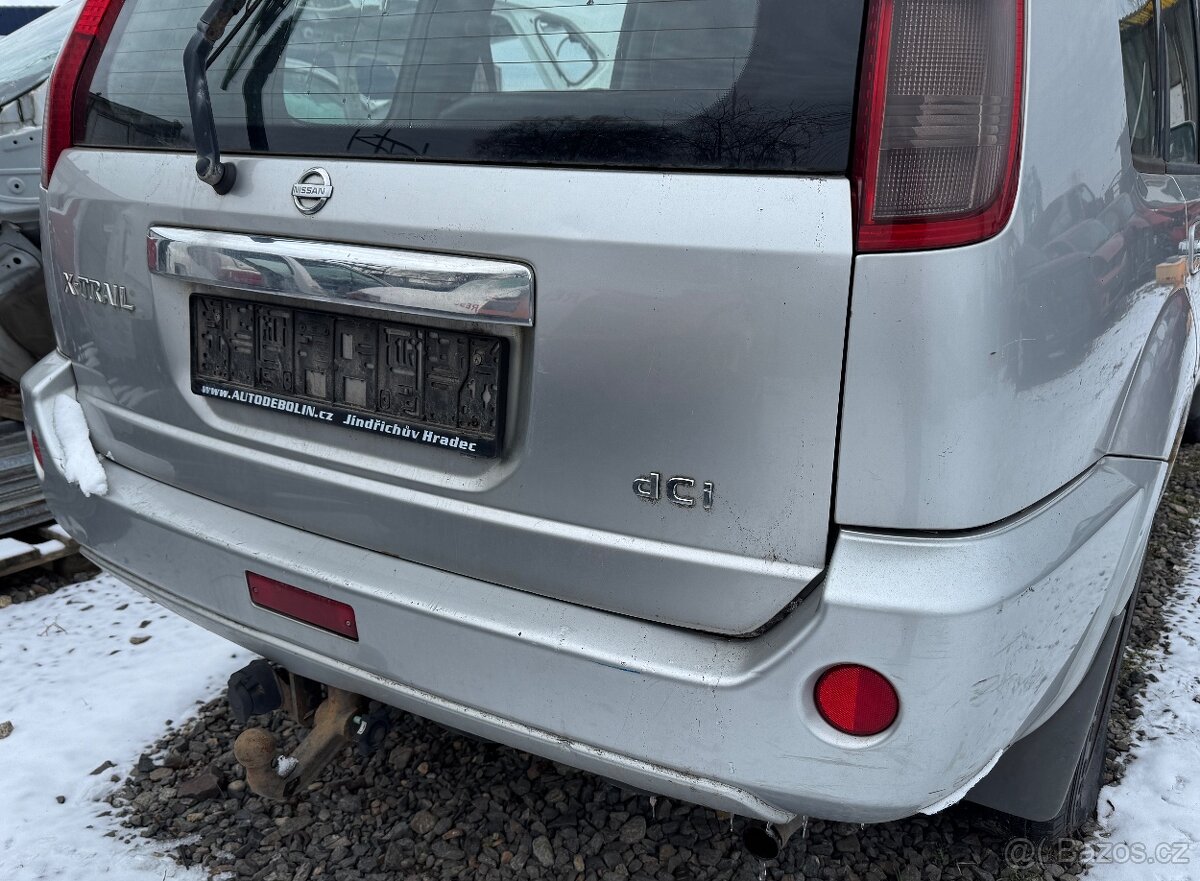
(765, 841)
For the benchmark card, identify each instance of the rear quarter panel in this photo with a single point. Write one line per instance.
(980, 379)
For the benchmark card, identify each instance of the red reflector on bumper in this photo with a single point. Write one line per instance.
(37, 448)
(303, 605)
(856, 700)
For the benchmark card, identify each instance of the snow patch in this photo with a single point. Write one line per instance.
(14, 549)
(78, 694)
(1150, 823)
(73, 453)
(961, 793)
(55, 529)
(11, 549)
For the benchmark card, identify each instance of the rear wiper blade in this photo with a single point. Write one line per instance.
(219, 175)
(251, 8)
(263, 14)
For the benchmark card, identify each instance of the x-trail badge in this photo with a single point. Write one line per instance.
(312, 191)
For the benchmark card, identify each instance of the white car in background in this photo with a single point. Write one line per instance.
(15, 14)
(26, 58)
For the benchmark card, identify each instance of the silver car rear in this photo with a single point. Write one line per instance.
(663, 337)
(542, 341)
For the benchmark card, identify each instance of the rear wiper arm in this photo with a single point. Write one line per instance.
(219, 175)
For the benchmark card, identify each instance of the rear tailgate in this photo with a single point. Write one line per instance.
(682, 325)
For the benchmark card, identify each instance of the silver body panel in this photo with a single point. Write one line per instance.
(667, 338)
(1007, 417)
(980, 379)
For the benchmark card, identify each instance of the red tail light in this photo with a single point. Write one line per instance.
(939, 125)
(73, 71)
(303, 605)
(856, 700)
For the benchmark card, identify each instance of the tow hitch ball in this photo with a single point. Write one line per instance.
(336, 721)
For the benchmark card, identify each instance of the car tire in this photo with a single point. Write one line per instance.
(1191, 424)
(1082, 799)
(1191, 430)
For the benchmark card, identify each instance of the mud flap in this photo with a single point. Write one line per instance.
(1033, 778)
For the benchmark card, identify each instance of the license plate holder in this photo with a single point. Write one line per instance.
(407, 381)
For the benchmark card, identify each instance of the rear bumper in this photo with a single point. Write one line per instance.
(984, 635)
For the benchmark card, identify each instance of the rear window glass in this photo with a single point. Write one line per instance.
(703, 84)
(1139, 57)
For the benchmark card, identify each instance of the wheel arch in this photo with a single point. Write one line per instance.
(1158, 393)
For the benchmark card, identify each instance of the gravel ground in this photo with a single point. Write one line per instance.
(42, 581)
(435, 804)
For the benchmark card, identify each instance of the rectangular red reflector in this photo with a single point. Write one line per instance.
(37, 448)
(303, 605)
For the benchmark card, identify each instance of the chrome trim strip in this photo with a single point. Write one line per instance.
(414, 282)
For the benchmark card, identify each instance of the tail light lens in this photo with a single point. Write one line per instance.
(939, 124)
(65, 104)
(856, 700)
(36, 446)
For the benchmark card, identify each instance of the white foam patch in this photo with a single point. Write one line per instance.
(285, 765)
(73, 453)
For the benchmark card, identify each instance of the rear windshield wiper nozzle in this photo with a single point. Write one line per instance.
(219, 175)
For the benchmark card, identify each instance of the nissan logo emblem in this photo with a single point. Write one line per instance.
(312, 191)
